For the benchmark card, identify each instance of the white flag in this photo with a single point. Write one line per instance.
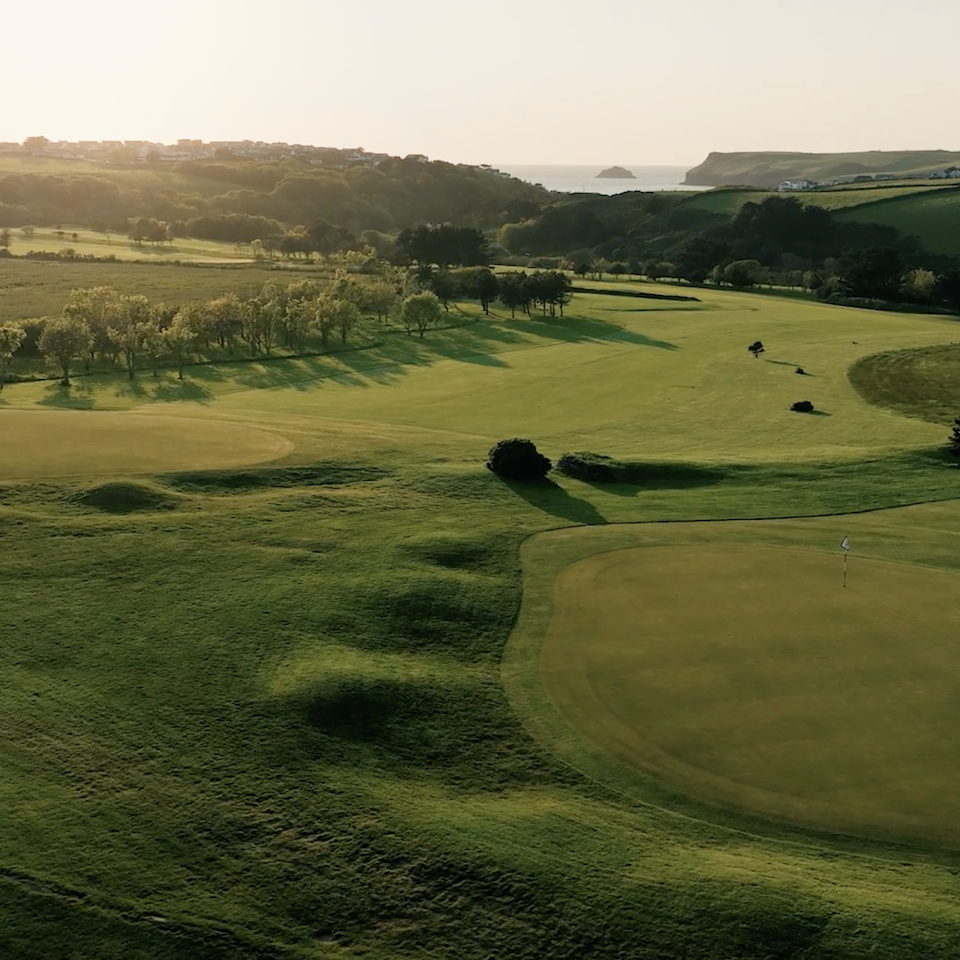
(846, 544)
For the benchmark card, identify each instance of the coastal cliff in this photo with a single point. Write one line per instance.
(768, 169)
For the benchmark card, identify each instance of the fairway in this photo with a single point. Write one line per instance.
(747, 676)
(48, 443)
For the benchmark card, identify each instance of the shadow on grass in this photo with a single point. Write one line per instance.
(553, 499)
(819, 413)
(75, 396)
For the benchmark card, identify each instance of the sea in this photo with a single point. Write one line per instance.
(583, 179)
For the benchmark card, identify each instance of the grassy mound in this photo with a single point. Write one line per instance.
(921, 382)
(239, 481)
(126, 496)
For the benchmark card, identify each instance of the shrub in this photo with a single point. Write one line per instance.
(518, 460)
(802, 406)
(955, 438)
(590, 467)
(800, 370)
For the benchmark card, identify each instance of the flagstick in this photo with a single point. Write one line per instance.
(844, 567)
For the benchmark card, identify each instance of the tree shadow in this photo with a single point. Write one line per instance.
(787, 363)
(551, 498)
(172, 390)
(577, 329)
(819, 413)
(72, 397)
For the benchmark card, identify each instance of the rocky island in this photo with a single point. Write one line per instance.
(616, 173)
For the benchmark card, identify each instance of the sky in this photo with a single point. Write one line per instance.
(505, 81)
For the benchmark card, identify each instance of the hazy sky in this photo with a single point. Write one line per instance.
(508, 81)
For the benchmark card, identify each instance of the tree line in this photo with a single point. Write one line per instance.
(387, 198)
(99, 326)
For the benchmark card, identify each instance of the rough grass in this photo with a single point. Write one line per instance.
(919, 382)
(272, 724)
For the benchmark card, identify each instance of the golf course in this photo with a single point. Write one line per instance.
(289, 673)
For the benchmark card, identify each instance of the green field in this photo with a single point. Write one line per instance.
(39, 288)
(93, 244)
(934, 218)
(860, 196)
(283, 677)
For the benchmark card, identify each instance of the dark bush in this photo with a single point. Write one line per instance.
(518, 460)
(800, 370)
(802, 406)
(589, 467)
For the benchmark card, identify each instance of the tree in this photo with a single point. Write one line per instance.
(180, 338)
(28, 232)
(6, 238)
(445, 286)
(741, 274)
(11, 337)
(948, 290)
(919, 286)
(485, 287)
(419, 312)
(62, 340)
(99, 308)
(514, 292)
(35, 144)
(134, 321)
(336, 314)
(874, 273)
(381, 299)
(955, 438)
(518, 460)
(756, 348)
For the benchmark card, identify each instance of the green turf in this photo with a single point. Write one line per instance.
(259, 711)
(735, 666)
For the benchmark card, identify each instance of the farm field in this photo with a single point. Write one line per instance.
(38, 288)
(88, 243)
(934, 218)
(860, 196)
(286, 681)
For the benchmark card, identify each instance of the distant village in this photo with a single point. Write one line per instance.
(950, 173)
(145, 151)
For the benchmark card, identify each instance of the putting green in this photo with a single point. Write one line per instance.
(748, 677)
(48, 443)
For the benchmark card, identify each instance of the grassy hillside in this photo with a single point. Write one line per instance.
(933, 217)
(730, 200)
(767, 169)
(260, 711)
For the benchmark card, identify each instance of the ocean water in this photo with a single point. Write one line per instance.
(582, 179)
